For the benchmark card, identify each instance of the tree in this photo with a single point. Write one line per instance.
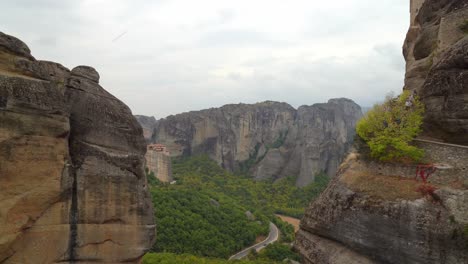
(388, 128)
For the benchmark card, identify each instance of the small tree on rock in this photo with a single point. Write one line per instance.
(389, 127)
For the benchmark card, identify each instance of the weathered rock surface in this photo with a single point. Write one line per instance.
(436, 51)
(148, 123)
(72, 179)
(369, 217)
(372, 212)
(270, 139)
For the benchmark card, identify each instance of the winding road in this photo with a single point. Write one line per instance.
(272, 237)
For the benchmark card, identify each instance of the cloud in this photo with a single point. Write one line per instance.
(183, 55)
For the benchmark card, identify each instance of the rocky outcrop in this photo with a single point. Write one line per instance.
(71, 166)
(375, 212)
(268, 140)
(437, 66)
(148, 123)
(370, 214)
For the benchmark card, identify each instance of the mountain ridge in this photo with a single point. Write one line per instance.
(267, 140)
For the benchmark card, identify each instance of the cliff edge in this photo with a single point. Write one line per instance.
(435, 50)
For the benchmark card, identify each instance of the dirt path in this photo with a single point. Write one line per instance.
(293, 221)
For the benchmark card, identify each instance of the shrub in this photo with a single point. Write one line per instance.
(278, 252)
(389, 127)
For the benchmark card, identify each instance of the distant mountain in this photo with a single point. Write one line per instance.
(267, 140)
(148, 123)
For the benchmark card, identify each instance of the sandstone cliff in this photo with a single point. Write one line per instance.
(436, 49)
(372, 212)
(72, 179)
(268, 140)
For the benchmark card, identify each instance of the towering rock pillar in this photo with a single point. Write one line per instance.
(375, 212)
(437, 66)
(72, 182)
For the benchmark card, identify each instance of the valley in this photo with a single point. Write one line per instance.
(211, 212)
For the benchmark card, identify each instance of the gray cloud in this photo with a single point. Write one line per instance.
(182, 55)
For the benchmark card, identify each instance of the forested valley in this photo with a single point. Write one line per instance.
(208, 213)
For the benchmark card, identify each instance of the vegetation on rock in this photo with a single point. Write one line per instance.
(388, 128)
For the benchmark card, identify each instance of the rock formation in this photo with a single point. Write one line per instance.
(268, 140)
(374, 212)
(148, 123)
(436, 49)
(73, 188)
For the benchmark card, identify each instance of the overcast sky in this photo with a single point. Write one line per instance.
(170, 56)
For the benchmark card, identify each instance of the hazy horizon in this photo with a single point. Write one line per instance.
(168, 57)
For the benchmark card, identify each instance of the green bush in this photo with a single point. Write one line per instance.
(388, 128)
(151, 178)
(286, 229)
(278, 252)
(169, 258)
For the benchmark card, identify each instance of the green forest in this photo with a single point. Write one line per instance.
(170, 258)
(281, 196)
(203, 216)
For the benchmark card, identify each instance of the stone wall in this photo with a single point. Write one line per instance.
(451, 161)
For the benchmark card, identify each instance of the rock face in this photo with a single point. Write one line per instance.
(268, 140)
(372, 212)
(71, 166)
(148, 123)
(435, 50)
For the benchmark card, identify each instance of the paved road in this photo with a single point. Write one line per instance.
(272, 237)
